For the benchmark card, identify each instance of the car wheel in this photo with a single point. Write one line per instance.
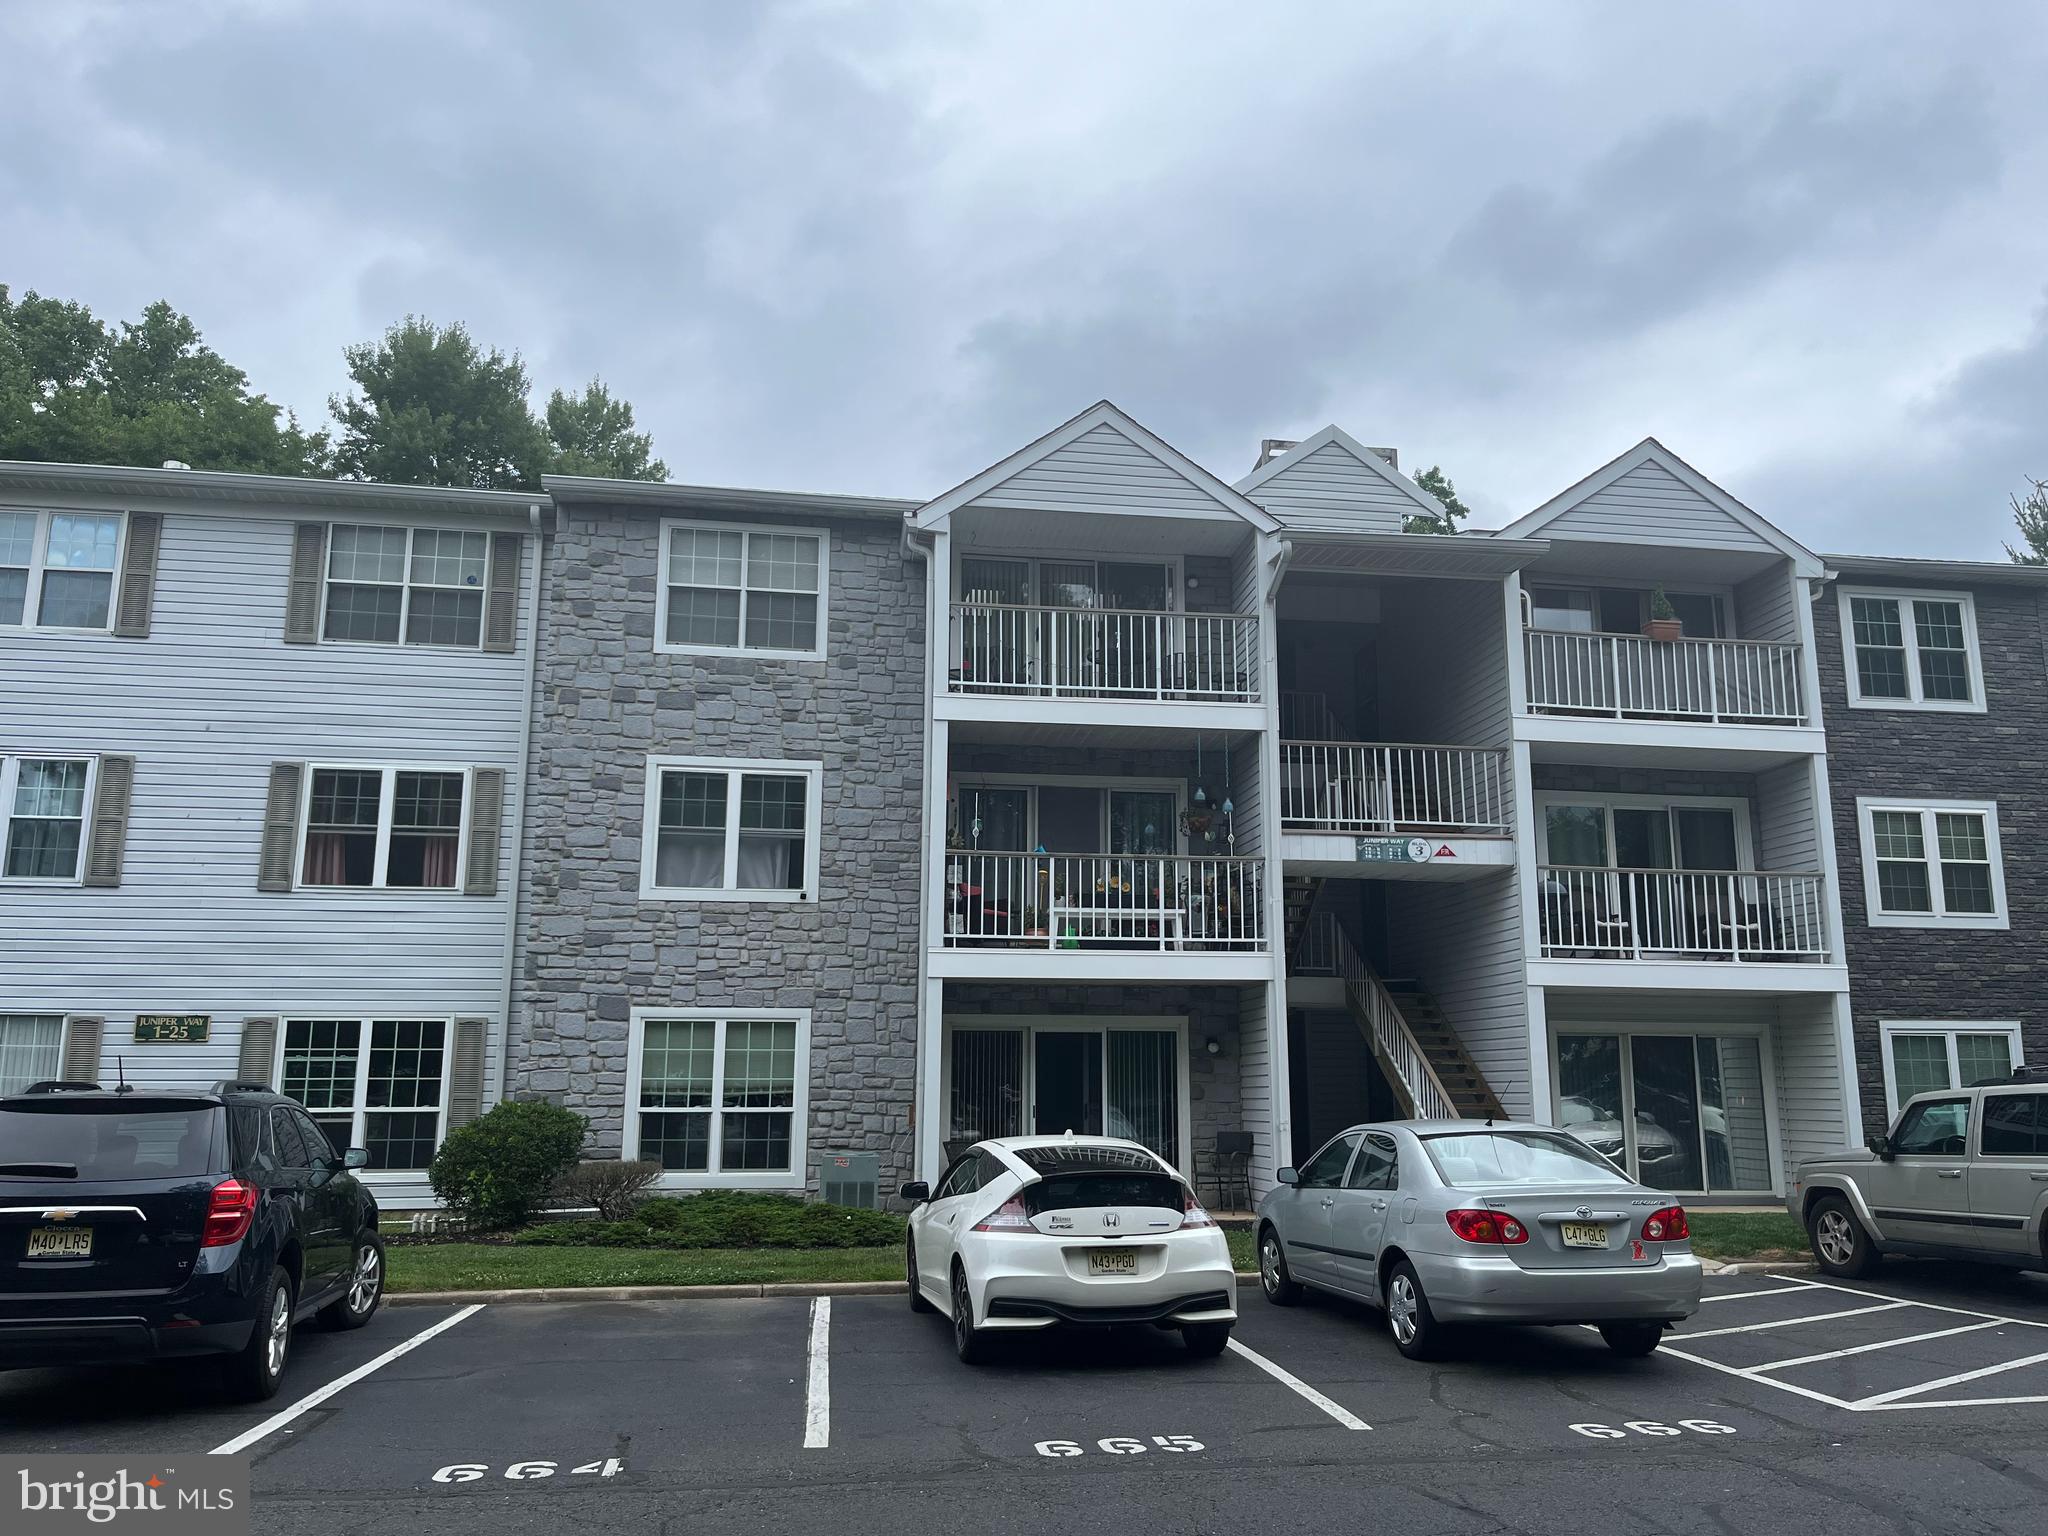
(365, 1293)
(253, 1372)
(1417, 1333)
(1632, 1341)
(969, 1342)
(919, 1302)
(1205, 1341)
(1840, 1243)
(1280, 1287)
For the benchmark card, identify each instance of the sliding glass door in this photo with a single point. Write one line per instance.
(1067, 1075)
(1675, 1111)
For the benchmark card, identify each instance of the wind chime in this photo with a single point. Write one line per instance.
(1198, 821)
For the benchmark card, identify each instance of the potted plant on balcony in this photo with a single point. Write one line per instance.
(1034, 927)
(1663, 622)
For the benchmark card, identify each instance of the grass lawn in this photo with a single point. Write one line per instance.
(486, 1267)
(1745, 1235)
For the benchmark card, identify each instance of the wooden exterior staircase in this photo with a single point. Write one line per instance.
(1465, 1085)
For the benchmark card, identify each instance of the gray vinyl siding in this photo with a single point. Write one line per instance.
(205, 705)
(1461, 942)
(1810, 1118)
(1444, 664)
(1787, 826)
(1245, 798)
(1331, 492)
(1257, 1049)
(1650, 505)
(1103, 471)
(1767, 606)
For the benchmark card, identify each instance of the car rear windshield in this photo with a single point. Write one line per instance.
(95, 1139)
(1092, 1191)
(1517, 1157)
(1084, 1158)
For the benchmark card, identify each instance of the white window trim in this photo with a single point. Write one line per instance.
(813, 773)
(1909, 633)
(39, 549)
(662, 643)
(1948, 1029)
(10, 771)
(386, 795)
(799, 1109)
(63, 1017)
(366, 1022)
(1999, 917)
(327, 583)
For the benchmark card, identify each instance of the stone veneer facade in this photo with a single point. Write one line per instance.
(592, 950)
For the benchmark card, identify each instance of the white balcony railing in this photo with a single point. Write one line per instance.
(1103, 901)
(1681, 914)
(1353, 787)
(1395, 1043)
(1103, 653)
(1745, 682)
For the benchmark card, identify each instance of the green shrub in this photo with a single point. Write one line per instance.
(662, 1213)
(495, 1171)
(723, 1218)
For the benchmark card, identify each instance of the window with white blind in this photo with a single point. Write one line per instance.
(419, 586)
(1933, 1057)
(757, 591)
(723, 827)
(719, 1097)
(1932, 864)
(378, 1084)
(57, 569)
(31, 1049)
(43, 810)
(1911, 650)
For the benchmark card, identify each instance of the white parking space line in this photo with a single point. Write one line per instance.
(1776, 1290)
(818, 1384)
(313, 1400)
(1926, 1306)
(1294, 1383)
(1748, 1375)
(1795, 1322)
(1882, 1398)
(1864, 1349)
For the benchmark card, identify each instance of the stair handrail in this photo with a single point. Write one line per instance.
(1391, 1032)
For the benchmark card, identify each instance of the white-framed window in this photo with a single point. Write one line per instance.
(1931, 864)
(719, 1096)
(387, 585)
(31, 1049)
(1911, 650)
(57, 569)
(757, 591)
(728, 827)
(44, 805)
(378, 1084)
(1932, 1056)
(395, 827)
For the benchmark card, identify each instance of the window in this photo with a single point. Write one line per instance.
(727, 588)
(720, 1098)
(720, 827)
(1326, 1169)
(379, 1084)
(57, 569)
(1937, 1128)
(1934, 864)
(1934, 1057)
(397, 828)
(424, 586)
(43, 804)
(1375, 1166)
(2015, 1125)
(1911, 650)
(31, 1049)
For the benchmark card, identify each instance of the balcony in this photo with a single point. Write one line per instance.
(1629, 677)
(1357, 788)
(1060, 902)
(1737, 917)
(1028, 651)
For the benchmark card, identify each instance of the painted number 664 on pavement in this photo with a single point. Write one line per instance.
(1121, 1445)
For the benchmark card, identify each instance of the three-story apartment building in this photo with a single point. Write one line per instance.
(259, 790)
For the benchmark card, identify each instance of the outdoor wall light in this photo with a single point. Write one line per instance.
(1214, 1045)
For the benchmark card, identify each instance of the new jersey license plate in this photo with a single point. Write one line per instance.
(1584, 1234)
(60, 1243)
(1111, 1261)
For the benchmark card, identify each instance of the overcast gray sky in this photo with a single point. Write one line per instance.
(874, 248)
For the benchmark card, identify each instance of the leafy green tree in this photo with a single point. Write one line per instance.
(74, 390)
(437, 409)
(1438, 484)
(592, 434)
(2031, 514)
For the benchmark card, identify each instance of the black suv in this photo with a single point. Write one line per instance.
(136, 1225)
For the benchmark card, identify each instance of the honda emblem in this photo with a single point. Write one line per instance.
(1109, 1218)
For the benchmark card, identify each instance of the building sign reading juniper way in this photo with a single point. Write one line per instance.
(1393, 850)
(172, 1028)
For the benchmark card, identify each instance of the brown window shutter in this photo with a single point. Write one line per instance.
(309, 570)
(82, 1037)
(138, 575)
(259, 1050)
(280, 828)
(109, 840)
(466, 1071)
(486, 827)
(501, 607)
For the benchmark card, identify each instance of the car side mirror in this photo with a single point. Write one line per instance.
(1882, 1147)
(1288, 1176)
(355, 1157)
(916, 1192)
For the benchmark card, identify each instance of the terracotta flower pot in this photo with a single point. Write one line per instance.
(1665, 630)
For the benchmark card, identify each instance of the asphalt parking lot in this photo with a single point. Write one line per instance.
(1915, 1401)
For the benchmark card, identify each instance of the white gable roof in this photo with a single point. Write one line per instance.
(1100, 461)
(1651, 496)
(1332, 483)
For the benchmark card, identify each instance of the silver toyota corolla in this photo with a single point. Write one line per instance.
(1443, 1222)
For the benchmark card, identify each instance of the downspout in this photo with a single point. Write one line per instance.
(1283, 556)
(519, 822)
(913, 547)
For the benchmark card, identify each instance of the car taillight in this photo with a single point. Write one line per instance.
(1486, 1227)
(229, 1213)
(1192, 1214)
(1666, 1226)
(1012, 1217)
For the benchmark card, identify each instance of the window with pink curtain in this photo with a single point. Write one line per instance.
(426, 831)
